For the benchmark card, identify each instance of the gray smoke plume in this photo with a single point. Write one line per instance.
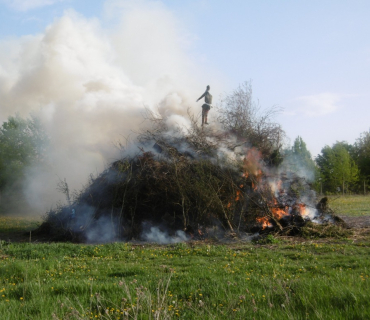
(90, 87)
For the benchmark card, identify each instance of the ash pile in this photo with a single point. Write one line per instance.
(182, 185)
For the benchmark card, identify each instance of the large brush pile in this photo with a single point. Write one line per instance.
(181, 181)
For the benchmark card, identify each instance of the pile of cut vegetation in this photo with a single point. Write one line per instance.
(164, 187)
(189, 182)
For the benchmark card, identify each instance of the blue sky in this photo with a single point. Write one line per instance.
(312, 58)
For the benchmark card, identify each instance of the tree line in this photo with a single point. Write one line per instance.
(23, 143)
(342, 168)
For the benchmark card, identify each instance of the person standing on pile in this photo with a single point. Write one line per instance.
(207, 105)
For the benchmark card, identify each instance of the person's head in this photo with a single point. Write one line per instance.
(208, 88)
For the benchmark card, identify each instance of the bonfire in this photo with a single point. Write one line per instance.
(189, 184)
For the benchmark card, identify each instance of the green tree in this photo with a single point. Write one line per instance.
(300, 160)
(22, 143)
(299, 150)
(361, 155)
(337, 168)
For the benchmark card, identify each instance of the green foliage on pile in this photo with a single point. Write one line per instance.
(327, 230)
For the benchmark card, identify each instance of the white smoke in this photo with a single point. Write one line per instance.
(90, 86)
(162, 237)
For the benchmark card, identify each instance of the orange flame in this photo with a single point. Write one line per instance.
(302, 209)
(278, 212)
(264, 221)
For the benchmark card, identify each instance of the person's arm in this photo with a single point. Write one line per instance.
(202, 96)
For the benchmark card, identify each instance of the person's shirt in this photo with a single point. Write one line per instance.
(207, 97)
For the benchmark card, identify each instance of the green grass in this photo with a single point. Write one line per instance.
(286, 279)
(9, 224)
(353, 205)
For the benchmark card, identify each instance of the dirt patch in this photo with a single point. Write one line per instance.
(356, 222)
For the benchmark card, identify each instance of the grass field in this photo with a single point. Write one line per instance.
(285, 278)
(9, 225)
(353, 205)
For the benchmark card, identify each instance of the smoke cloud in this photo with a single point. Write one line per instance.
(90, 86)
(154, 234)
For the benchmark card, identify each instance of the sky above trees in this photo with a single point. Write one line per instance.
(312, 58)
